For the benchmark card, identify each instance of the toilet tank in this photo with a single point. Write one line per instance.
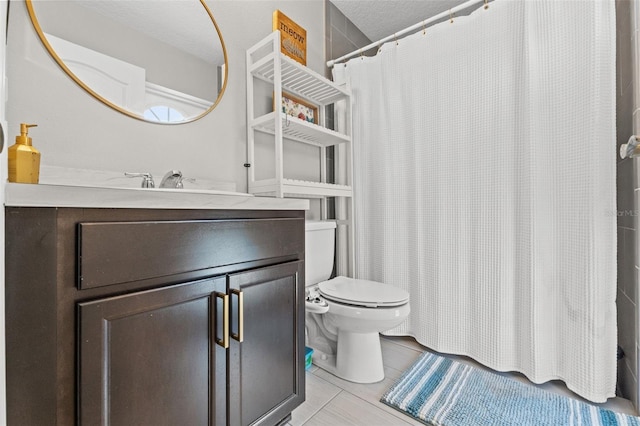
(319, 250)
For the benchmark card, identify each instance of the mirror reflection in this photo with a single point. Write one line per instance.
(159, 61)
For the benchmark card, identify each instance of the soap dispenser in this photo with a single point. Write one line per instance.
(24, 159)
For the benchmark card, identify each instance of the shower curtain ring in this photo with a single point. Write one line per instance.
(451, 15)
(395, 38)
(424, 28)
(486, 4)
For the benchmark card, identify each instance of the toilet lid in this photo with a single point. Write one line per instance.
(362, 292)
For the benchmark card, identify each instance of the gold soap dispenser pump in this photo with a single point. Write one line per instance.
(24, 159)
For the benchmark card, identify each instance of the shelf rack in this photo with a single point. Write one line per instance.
(266, 64)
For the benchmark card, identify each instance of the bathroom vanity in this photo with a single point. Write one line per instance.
(117, 314)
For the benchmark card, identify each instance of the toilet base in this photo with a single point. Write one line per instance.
(358, 358)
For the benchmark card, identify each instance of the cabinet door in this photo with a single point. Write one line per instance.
(266, 368)
(150, 358)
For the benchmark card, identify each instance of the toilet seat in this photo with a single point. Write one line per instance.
(363, 293)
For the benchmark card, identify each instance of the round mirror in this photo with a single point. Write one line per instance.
(156, 60)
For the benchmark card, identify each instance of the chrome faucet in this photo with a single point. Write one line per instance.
(147, 179)
(172, 179)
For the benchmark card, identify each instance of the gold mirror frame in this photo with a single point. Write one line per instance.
(52, 52)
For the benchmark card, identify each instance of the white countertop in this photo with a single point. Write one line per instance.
(48, 195)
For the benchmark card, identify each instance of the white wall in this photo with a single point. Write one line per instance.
(76, 131)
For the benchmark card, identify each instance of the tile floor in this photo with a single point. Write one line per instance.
(332, 401)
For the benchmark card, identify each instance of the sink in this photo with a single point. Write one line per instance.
(85, 196)
(66, 187)
(181, 190)
(66, 176)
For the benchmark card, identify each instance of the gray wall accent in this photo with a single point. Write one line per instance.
(77, 131)
(341, 37)
(627, 296)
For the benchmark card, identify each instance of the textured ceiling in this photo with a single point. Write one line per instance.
(380, 18)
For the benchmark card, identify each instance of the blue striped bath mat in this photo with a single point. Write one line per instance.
(441, 392)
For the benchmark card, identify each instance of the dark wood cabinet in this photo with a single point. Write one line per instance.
(147, 357)
(136, 317)
(264, 377)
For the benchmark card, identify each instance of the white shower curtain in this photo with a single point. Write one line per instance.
(484, 182)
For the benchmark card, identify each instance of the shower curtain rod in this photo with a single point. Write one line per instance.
(418, 26)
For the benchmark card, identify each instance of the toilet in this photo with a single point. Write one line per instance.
(344, 316)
